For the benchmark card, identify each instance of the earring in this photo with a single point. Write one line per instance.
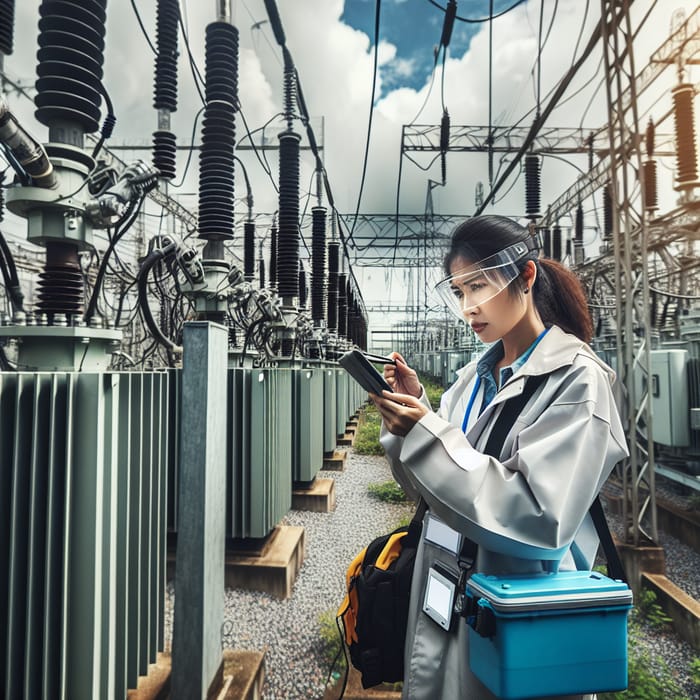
(526, 290)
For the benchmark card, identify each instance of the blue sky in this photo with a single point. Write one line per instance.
(414, 27)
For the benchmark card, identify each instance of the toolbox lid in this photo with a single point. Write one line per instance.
(564, 589)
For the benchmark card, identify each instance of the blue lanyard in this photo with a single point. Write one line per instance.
(477, 384)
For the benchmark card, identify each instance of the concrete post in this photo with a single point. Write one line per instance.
(199, 568)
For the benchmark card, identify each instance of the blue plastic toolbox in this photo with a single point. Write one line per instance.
(548, 634)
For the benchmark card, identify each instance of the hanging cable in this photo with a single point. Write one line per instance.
(375, 69)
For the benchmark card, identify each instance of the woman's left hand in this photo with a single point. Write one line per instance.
(400, 412)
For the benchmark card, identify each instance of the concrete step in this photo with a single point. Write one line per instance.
(272, 566)
(335, 461)
(317, 497)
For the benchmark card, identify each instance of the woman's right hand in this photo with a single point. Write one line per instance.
(401, 378)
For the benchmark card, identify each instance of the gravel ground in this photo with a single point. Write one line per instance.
(289, 629)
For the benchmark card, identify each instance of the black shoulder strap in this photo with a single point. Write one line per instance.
(616, 568)
(511, 409)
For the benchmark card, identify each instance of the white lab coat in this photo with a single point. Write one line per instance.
(527, 511)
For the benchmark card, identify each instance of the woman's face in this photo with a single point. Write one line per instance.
(488, 306)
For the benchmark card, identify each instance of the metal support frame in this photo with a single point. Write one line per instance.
(630, 243)
(199, 573)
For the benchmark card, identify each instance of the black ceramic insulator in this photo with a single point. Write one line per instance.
(7, 23)
(164, 153)
(275, 22)
(607, 210)
(569, 251)
(686, 156)
(273, 257)
(261, 273)
(333, 258)
(342, 305)
(318, 263)
(556, 243)
(165, 82)
(578, 225)
(303, 293)
(60, 282)
(650, 138)
(288, 244)
(547, 242)
(651, 194)
(532, 186)
(216, 160)
(290, 87)
(249, 251)
(71, 47)
(449, 23)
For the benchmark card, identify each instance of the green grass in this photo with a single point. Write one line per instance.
(367, 436)
(388, 491)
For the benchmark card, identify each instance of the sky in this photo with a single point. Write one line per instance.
(332, 45)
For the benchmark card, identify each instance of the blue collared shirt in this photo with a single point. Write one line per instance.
(484, 368)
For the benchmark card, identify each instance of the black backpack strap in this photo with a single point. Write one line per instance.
(510, 411)
(616, 568)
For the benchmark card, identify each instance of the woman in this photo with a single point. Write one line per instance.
(527, 510)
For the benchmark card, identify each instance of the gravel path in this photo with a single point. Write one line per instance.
(289, 629)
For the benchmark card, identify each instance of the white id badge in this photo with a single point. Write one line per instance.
(442, 535)
(439, 597)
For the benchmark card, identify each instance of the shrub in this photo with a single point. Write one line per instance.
(367, 437)
(389, 491)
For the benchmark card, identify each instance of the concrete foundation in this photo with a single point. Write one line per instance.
(678, 605)
(317, 497)
(243, 678)
(335, 461)
(272, 567)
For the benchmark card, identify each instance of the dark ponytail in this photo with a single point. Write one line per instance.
(561, 299)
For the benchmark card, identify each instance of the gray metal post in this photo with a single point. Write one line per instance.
(199, 567)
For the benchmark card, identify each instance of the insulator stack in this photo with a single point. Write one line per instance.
(302, 287)
(216, 162)
(607, 210)
(249, 251)
(569, 251)
(444, 143)
(165, 86)
(650, 138)
(60, 283)
(288, 245)
(333, 259)
(69, 71)
(556, 243)
(273, 257)
(318, 263)
(578, 226)
(532, 186)
(7, 23)
(165, 82)
(164, 153)
(547, 242)
(686, 155)
(342, 305)
(290, 87)
(651, 193)
(261, 273)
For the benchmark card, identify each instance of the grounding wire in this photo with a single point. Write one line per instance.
(470, 20)
(143, 28)
(375, 69)
(190, 150)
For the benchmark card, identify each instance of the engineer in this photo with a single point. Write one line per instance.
(527, 509)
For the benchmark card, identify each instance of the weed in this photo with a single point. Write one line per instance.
(389, 491)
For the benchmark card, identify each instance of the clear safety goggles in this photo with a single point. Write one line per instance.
(478, 283)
